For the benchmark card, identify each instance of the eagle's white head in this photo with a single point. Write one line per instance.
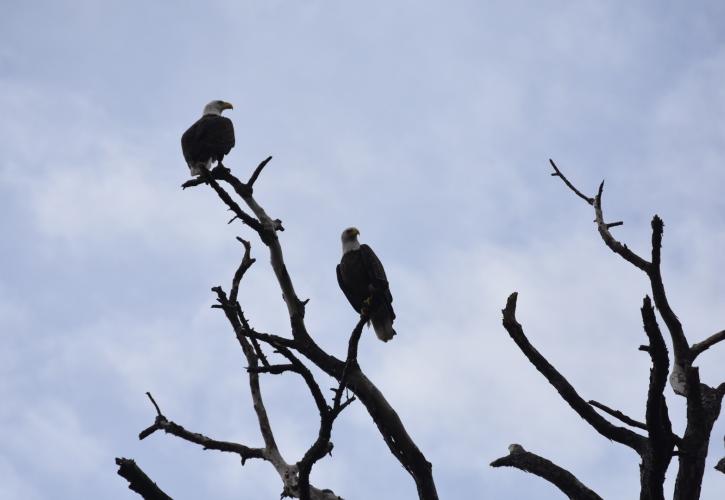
(216, 107)
(349, 239)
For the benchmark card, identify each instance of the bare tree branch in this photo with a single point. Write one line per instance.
(703, 401)
(545, 469)
(681, 347)
(603, 227)
(557, 173)
(322, 444)
(297, 366)
(253, 353)
(384, 416)
(246, 263)
(170, 427)
(258, 171)
(294, 477)
(219, 173)
(657, 417)
(138, 481)
(618, 415)
(611, 242)
(700, 347)
(563, 387)
(661, 442)
(679, 342)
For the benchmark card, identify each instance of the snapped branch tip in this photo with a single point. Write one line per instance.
(153, 401)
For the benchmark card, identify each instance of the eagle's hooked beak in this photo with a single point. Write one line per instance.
(227, 105)
(355, 231)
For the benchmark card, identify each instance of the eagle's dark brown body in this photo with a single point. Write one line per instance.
(361, 276)
(211, 137)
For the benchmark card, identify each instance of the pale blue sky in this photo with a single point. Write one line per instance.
(428, 125)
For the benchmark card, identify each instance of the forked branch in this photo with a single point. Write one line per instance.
(563, 387)
(652, 269)
(703, 401)
(384, 416)
(170, 427)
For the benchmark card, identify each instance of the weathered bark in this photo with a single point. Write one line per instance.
(701, 347)
(546, 469)
(295, 481)
(657, 454)
(703, 402)
(386, 419)
(138, 481)
(696, 439)
(563, 387)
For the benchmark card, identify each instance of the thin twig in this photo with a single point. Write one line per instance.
(158, 411)
(170, 427)
(619, 415)
(557, 173)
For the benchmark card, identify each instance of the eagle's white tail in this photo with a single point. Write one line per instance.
(196, 168)
(383, 326)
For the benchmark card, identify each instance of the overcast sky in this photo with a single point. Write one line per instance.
(426, 124)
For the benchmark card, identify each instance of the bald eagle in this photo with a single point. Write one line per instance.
(209, 138)
(362, 279)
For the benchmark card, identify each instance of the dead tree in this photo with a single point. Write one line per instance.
(653, 440)
(289, 352)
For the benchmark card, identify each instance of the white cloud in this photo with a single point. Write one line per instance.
(52, 438)
(14, 484)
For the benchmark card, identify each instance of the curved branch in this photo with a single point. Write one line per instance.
(297, 366)
(563, 387)
(546, 469)
(679, 342)
(661, 440)
(683, 356)
(258, 171)
(384, 416)
(700, 347)
(246, 263)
